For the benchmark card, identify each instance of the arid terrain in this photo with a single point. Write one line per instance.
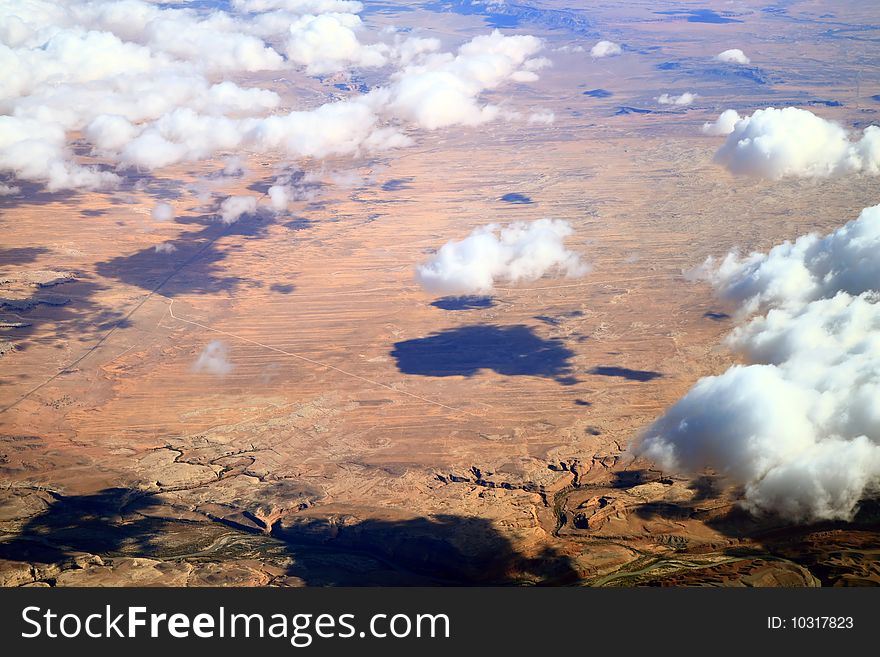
(369, 432)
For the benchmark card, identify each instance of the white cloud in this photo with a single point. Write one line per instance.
(542, 117)
(605, 49)
(520, 252)
(774, 143)
(683, 99)
(165, 247)
(37, 151)
(214, 359)
(299, 6)
(799, 428)
(234, 208)
(118, 74)
(723, 125)
(328, 43)
(443, 90)
(733, 56)
(162, 212)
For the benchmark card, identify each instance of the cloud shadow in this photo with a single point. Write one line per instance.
(508, 350)
(626, 373)
(472, 302)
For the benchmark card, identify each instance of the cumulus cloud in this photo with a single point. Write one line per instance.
(165, 247)
(799, 427)
(723, 125)
(519, 252)
(443, 90)
(733, 56)
(683, 99)
(774, 143)
(214, 359)
(605, 49)
(162, 212)
(118, 74)
(328, 43)
(37, 151)
(234, 208)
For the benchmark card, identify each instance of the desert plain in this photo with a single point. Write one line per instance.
(363, 431)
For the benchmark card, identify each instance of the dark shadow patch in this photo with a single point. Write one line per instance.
(323, 551)
(598, 93)
(582, 402)
(665, 510)
(441, 549)
(21, 255)
(669, 66)
(700, 16)
(282, 288)
(632, 478)
(97, 212)
(193, 266)
(624, 110)
(626, 373)
(464, 303)
(299, 223)
(396, 184)
(508, 350)
(518, 199)
(30, 193)
(705, 487)
(716, 316)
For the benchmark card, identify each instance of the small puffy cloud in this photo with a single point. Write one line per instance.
(520, 252)
(733, 56)
(279, 197)
(233, 166)
(214, 359)
(774, 143)
(798, 427)
(162, 212)
(684, 99)
(605, 49)
(9, 190)
(723, 125)
(234, 208)
(165, 247)
(542, 117)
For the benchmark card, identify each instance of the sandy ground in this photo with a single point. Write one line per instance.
(369, 432)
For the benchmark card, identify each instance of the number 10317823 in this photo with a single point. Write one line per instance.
(810, 623)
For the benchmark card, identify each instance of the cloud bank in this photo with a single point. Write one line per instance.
(799, 427)
(519, 252)
(775, 143)
(118, 75)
